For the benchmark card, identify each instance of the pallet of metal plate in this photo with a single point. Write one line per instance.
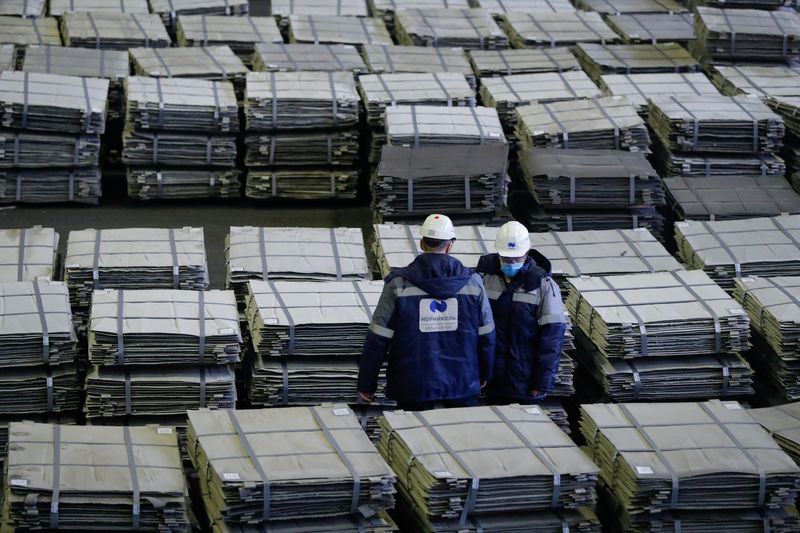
(610, 123)
(302, 148)
(5, 421)
(136, 482)
(271, 57)
(330, 454)
(639, 88)
(470, 29)
(113, 31)
(748, 34)
(170, 10)
(538, 220)
(183, 183)
(28, 149)
(490, 63)
(146, 148)
(23, 8)
(763, 81)
(21, 32)
(627, 7)
(386, 10)
(334, 29)
(545, 29)
(59, 8)
(383, 59)
(422, 125)
(57, 185)
(698, 165)
(727, 249)
(175, 424)
(266, 183)
(598, 59)
(241, 34)
(783, 423)
(40, 390)
(654, 28)
(28, 254)
(498, 8)
(281, 10)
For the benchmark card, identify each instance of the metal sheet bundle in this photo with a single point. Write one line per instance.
(598, 59)
(421, 125)
(783, 423)
(134, 479)
(610, 123)
(694, 165)
(30, 149)
(28, 254)
(165, 148)
(464, 464)
(334, 148)
(283, 9)
(334, 29)
(619, 7)
(50, 186)
(379, 523)
(170, 10)
(386, 10)
(315, 57)
(543, 29)
(59, 8)
(308, 184)
(489, 63)
(470, 29)
(21, 32)
(583, 520)
(639, 88)
(748, 33)
(654, 28)
(763, 81)
(309, 462)
(661, 314)
(729, 197)
(241, 34)
(23, 8)
(151, 184)
(538, 220)
(727, 249)
(205, 63)
(113, 31)
(33, 391)
(787, 107)
(383, 59)
(500, 7)
(709, 457)
(773, 306)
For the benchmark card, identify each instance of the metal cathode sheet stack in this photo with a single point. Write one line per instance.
(202, 62)
(170, 10)
(20, 32)
(335, 29)
(386, 10)
(501, 7)
(421, 125)
(654, 28)
(241, 34)
(471, 29)
(113, 31)
(23, 8)
(597, 59)
(59, 8)
(490, 63)
(28, 254)
(549, 30)
(311, 57)
(748, 34)
(620, 7)
(641, 87)
(783, 423)
(762, 81)
(283, 9)
(384, 59)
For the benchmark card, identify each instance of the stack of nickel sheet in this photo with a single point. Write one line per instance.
(283, 9)
(489, 63)
(787, 107)
(265, 183)
(783, 423)
(31, 149)
(582, 520)
(773, 306)
(34, 391)
(205, 63)
(471, 29)
(59, 8)
(298, 462)
(170, 10)
(134, 479)
(591, 179)
(695, 165)
(598, 59)
(21, 32)
(520, 459)
(421, 125)
(728, 249)
(378, 523)
(498, 8)
(544, 29)
(113, 31)
(538, 220)
(163, 327)
(654, 28)
(315, 57)
(620, 7)
(298, 149)
(762, 81)
(241, 34)
(47, 186)
(689, 458)
(145, 149)
(133, 258)
(610, 123)
(729, 197)
(383, 59)
(182, 184)
(386, 10)
(335, 29)
(23, 8)
(28, 254)
(748, 34)
(641, 87)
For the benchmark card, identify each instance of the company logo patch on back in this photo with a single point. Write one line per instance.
(438, 315)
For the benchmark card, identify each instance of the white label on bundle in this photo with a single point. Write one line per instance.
(164, 431)
(443, 473)
(225, 331)
(642, 470)
(230, 476)
(19, 482)
(533, 410)
(438, 315)
(342, 411)
(270, 321)
(732, 405)
(736, 311)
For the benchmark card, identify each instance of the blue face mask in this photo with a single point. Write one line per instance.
(511, 269)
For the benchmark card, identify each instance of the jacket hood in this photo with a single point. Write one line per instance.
(439, 275)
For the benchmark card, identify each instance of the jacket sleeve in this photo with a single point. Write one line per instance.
(486, 336)
(379, 337)
(552, 326)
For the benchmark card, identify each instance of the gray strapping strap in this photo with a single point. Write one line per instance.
(87, 121)
(154, 159)
(285, 391)
(392, 101)
(329, 146)
(563, 247)
(755, 123)
(159, 184)
(71, 181)
(262, 250)
(472, 490)
(56, 477)
(313, 27)
(653, 38)
(217, 108)
(736, 265)
(564, 132)
(363, 300)
(626, 66)
(690, 84)
(481, 37)
(479, 238)
(25, 80)
(784, 35)
(47, 62)
(511, 88)
(76, 151)
(209, 141)
(50, 395)
(637, 380)
(366, 30)
(335, 248)
(255, 29)
(726, 375)
(343, 456)
(201, 305)
(414, 125)
(636, 250)
(128, 393)
(21, 255)
(274, 99)
(630, 308)
(160, 103)
(173, 250)
(334, 100)
(695, 122)
(120, 327)
(162, 62)
(18, 191)
(205, 30)
(122, 5)
(411, 241)
(509, 70)
(442, 62)
(96, 261)
(94, 29)
(254, 459)
(203, 401)
(545, 33)
(443, 88)
(217, 64)
(611, 120)
(285, 309)
(388, 58)
(36, 30)
(141, 29)
(785, 231)
(289, 58)
(126, 433)
(43, 322)
(701, 301)
(478, 123)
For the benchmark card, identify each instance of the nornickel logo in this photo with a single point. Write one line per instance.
(438, 306)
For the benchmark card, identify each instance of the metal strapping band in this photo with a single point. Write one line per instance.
(288, 55)
(388, 58)
(411, 241)
(736, 265)
(653, 38)
(313, 27)
(392, 101)
(254, 459)
(209, 140)
(154, 159)
(443, 88)
(588, 26)
(366, 30)
(481, 37)
(630, 308)
(255, 29)
(25, 79)
(414, 125)
(212, 182)
(173, 250)
(511, 88)
(163, 63)
(554, 504)
(43, 322)
(335, 248)
(572, 186)
(784, 35)
(21, 255)
(87, 121)
(219, 65)
(262, 250)
(96, 261)
(610, 50)
(611, 120)
(564, 132)
(762, 475)
(329, 144)
(56, 476)
(201, 306)
(333, 54)
(714, 315)
(227, 8)
(122, 5)
(636, 250)
(273, 144)
(71, 180)
(674, 492)
(120, 327)
(569, 222)
(545, 33)
(205, 30)
(18, 192)
(363, 300)
(690, 84)
(334, 100)
(50, 395)
(563, 247)
(472, 490)
(753, 119)
(217, 107)
(343, 456)
(159, 184)
(430, 27)
(668, 57)
(410, 190)
(726, 375)
(282, 304)
(637, 380)
(479, 238)
(47, 63)
(160, 103)
(126, 433)
(94, 29)
(141, 29)
(695, 122)
(478, 123)
(203, 400)
(785, 231)
(128, 393)
(442, 62)
(36, 30)
(274, 100)
(285, 391)
(76, 152)
(509, 70)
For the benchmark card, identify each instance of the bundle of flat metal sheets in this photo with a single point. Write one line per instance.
(378, 523)
(598, 59)
(466, 181)
(152, 184)
(380, 91)
(710, 456)
(300, 100)
(658, 314)
(113, 31)
(283, 9)
(544, 29)
(206, 63)
(28, 390)
(302, 148)
(727, 249)
(695, 165)
(297, 463)
(748, 33)
(113, 392)
(620, 7)
(315, 57)
(762, 81)
(787, 107)
(783, 423)
(422, 125)
(23, 8)
(497, 8)
(163, 327)
(81, 185)
(20, 32)
(241, 34)
(383, 59)
(641, 87)
(538, 220)
(30, 149)
(59, 8)
(386, 10)
(148, 148)
(308, 184)
(791, 155)
(609, 123)
(170, 10)
(489, 63)
(470, 29)
(130, 476)
(729, 197)
(28, 254)
(7, 57)
(515, 454)
(654, 28)
(598, 179)
(334, 29)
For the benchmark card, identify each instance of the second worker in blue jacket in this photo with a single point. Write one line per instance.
(528, 315)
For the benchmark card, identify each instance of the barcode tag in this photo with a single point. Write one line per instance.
(230, 476)
(736, 311)
(733, 406)
(643, 470)
(164, 431)
(270, 321)
(443, 473)
(19, 482)
(343, 411)
(225, 331)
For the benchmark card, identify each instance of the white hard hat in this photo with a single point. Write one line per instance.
(438, 227)
(513, 240)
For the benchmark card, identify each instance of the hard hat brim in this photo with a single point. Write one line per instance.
(511, 253)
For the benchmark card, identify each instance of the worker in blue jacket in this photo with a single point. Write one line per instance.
(529, 317)
(434, 322)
